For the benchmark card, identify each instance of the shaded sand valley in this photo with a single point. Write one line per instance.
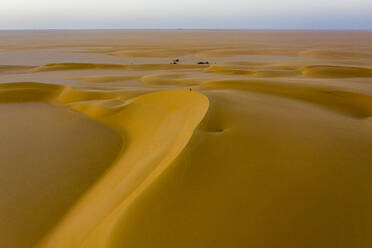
(49, 157)
(105, 143)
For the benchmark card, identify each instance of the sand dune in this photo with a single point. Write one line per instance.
(336, 71)
(107, 78)
(335, 54)
(116, 116)
(351, 103)
(78, 66)
(27, 92)
(240, 52)
(89, 66)
(230, 69)
(276, 73)
(238, 69)
(12, 68)
(161, 67)
(131, 175)
(152, 52)
(224, 190)
(268, 145)
(173, 79)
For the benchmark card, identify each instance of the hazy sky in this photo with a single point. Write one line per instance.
(251, 14)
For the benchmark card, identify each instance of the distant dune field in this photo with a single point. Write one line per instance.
(188, 138)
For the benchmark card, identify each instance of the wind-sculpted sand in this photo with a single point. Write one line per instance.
(133, 143)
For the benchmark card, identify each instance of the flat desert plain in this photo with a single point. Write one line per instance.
(123, 139)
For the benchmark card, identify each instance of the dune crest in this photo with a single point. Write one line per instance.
(351, 103)
(107, 78)
(171, 117)
(328, 71)
(168, 119)
(78, 66)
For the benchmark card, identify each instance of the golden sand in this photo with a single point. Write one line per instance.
(104, 143)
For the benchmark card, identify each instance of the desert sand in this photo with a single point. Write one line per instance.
(104, 143)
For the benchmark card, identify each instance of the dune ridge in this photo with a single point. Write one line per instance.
(28, 92)
(172, 116)
(78, 66)
(139, 164)
(334, 54)
(235, 185)
(107, 78)
(173, 79)
(336, 71)
(351, 103)
(100, 66)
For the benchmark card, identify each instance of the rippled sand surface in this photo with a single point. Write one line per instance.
(105, 143)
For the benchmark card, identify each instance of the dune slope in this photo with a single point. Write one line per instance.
(244, 181)
(168, 119)
(35, 195)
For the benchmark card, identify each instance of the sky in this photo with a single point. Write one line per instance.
(211, 14)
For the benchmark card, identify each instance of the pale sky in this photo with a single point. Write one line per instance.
(236, 14)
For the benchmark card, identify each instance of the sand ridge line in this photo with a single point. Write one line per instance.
(331, 71)
(177, 79)
(178, 110)
(353, 104)
(162, 139)
(100, 66)
(107, 78)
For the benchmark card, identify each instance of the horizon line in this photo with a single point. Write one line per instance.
(186, 29)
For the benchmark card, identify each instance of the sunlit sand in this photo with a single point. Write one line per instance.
(116, 139)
